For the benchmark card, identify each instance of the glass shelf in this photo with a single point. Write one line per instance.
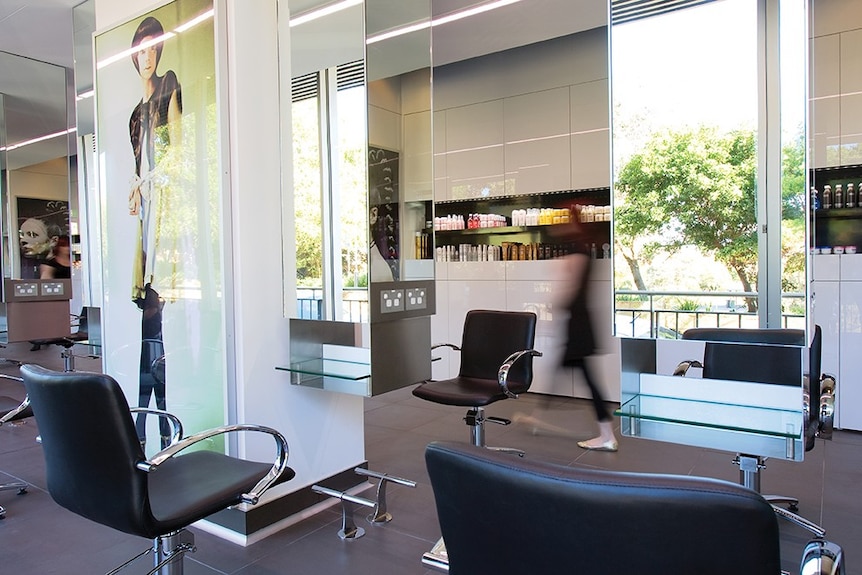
(742, 417)
(343, 376)
(507, 230)
(322, 367)
(782, 423)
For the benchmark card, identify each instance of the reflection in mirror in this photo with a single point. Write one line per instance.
(728, 396)
(398, 60)
(709, 175)
(329, 166)
(34, 191)
(361, 153)
(361, 135)
(84, 209)
(710, 226)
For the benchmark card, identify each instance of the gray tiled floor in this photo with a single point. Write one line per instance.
(39, 537)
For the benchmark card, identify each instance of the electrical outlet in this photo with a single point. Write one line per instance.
(416, 298)
(391, 300)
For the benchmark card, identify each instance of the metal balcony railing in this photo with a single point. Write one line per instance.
(663, 314)
(667, 314)
(354, 304)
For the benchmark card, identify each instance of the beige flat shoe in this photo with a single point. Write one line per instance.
(611, 445)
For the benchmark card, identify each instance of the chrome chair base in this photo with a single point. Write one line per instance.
(749, 476)
(20, 486)
(168, 553)
(476, 419)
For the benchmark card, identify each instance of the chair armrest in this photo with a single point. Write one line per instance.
(503, 372)
(828, 389)
(24, 404)
(439, 345)
(452, 345)
(822, 557)
(684, 366)
(252, 496)
(176, 424)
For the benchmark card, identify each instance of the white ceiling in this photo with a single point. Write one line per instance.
(43, 31)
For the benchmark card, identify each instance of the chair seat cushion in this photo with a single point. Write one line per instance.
(464, 391)
(190, 487)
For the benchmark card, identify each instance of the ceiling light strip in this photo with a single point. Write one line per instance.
(451, 17)
(11, 147)
(321, 12)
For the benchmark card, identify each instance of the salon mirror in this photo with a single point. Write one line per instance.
(35, 163)
(709, 165)
(710, 223)
(400, 180)
(328, 134)
(361, 132)
(361, 198)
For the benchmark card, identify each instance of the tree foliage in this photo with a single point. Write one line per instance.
(691, 188)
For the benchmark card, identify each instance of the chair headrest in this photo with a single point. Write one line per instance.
(747, 335)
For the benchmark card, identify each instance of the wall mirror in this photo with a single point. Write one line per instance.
(329, 134)
(361, 119)
(521, 132)
(710, 220)
(33, 169)
(35, 163)
(361, 147)
(709, 165)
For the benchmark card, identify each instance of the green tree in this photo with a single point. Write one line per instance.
(695, 188)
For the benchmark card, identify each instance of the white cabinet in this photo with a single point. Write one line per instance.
(851, 97)
(537, 153)
(474, 151)
(837, 309)
(417, 170)
(590, 135)
(441, 175)
(825, 109)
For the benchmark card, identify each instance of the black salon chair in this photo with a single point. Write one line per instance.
(96, 468)
(514, 516)
(740, 355)
(496, 364)
(12, 410)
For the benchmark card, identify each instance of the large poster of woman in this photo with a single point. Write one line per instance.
(158, 165)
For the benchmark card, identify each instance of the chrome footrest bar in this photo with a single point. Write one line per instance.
(380, 514)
